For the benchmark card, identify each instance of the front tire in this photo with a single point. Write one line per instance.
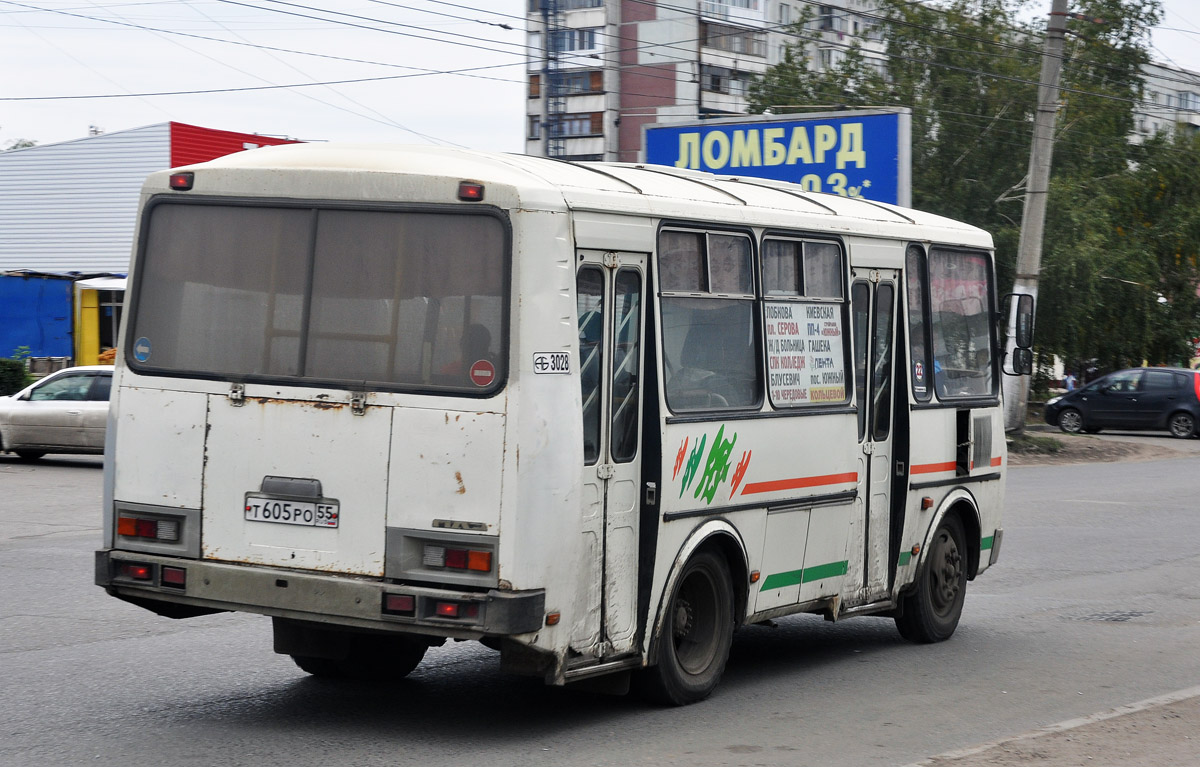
(697, 632)
(931, 612)
(1181, 425)
(1070, 421)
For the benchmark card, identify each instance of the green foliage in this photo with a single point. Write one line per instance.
(12, 376)
(21, 353)
(1119, 260)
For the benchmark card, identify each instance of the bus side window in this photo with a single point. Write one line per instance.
(709, 339)
(918, 331)
(590, 314)
(860, 301)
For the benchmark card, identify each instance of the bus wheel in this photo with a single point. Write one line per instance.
(931, 613)
(368, 658)
(697, 632)
(29, 455)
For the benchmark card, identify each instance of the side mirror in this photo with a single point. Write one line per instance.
(1022, 361)
(1024, 339)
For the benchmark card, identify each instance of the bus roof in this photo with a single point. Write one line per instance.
(637, 189)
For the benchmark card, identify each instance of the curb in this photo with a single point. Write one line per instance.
(1070, 724)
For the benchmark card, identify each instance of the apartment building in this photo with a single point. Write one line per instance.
(599, 70)
(1170, 101)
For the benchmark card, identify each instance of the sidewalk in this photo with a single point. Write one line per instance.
(1160, 732)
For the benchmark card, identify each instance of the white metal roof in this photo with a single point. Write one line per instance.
(538, 182)
(72, 205)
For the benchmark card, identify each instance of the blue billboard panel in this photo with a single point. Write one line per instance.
(853, 155)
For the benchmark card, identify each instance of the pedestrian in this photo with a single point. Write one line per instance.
(1069, 381)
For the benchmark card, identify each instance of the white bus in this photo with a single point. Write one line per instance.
(593, 415)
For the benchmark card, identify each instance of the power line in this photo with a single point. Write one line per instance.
(141, 27)
(203, 91)
(381, 117)
(375, 20)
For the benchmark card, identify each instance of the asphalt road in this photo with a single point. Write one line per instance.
(1095, 603)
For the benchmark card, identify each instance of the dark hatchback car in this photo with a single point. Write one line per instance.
(1139, 399)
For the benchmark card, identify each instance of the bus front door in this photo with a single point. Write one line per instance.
(611, 319)
(873, 302)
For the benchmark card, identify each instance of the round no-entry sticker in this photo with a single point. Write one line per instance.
(483, 373)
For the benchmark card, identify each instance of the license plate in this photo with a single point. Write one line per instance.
(264, 508)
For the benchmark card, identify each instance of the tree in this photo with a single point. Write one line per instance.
(1119, 268)
(19, 143)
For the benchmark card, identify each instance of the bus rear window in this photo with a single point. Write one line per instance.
(393, 299)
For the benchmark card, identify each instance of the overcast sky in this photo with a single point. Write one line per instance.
(60, 48)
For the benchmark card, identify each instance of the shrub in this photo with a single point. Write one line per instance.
(12, 376)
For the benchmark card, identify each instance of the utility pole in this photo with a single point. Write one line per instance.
(1033, 220)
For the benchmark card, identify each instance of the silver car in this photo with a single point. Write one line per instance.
(65, 412)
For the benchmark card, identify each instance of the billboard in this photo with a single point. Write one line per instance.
(855, 153)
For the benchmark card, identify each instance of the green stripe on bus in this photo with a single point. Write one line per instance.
(782, 580)
(807, 575)
(987, 542)
(905, 558)
(826, 571)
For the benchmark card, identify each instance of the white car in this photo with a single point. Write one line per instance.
(65, 412)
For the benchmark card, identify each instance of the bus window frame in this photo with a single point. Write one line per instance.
(753, 297)
(803, 237)
(922, 250)
(315, 205)
(975, 400)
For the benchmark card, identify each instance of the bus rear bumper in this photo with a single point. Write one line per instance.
(185, 587)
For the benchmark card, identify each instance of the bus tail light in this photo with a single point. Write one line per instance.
(174, 576)
(135, 571)
(182, 181)
(469, 191)
(166, 530)
(478, 560)
(399, 604)
(456, 610)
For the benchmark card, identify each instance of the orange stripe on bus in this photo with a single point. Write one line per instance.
(798, 482)
(932, 468)
(997, 461)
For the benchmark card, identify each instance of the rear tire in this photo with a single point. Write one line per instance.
(322, 667)
(29, 455)
(368, 658)
(697, 632)
(1181, 425)
(931, 612)
(1070, 421)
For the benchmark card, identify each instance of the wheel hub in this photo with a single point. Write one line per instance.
(685, 618)
(946, 574)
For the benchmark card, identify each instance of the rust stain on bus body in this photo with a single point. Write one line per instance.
(264, 401)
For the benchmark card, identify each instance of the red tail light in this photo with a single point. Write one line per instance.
(403, 604)
(470, 192)
(136, 571)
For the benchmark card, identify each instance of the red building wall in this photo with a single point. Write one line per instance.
(191, 143)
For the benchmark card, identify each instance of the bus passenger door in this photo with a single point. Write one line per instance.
(611, 318)
(873, 303)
